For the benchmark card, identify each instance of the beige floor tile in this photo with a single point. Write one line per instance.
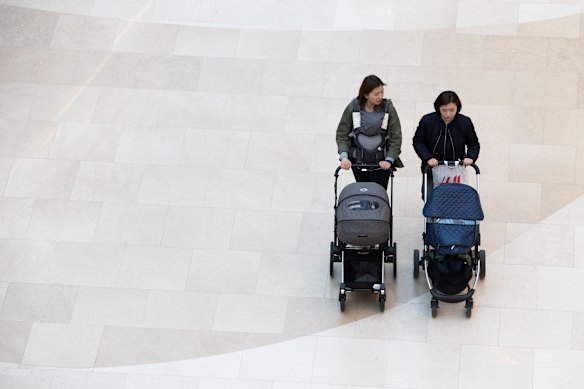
(500, 288)
(266, 230)
(25, 261)
(85, 264)
(255, 189)
(218, 270)
(207, 41)
(408, 322)
(283, 274)
(225, 365)
(59, 220)
(449, 326)
(109, 306)
(29, 139)
(200, 148)
(128, 106)
(500, 367)
(425, 14)
(6, 165)
(41, 178)
(184, 227)
(85, 142)
(560, 368)
(555, 282)
(545, 245)
(84, 33)
(154, 268)
(553, 329)
(350, 361)
(16, 99)
(64, 103)
(15, 214)
(179, 310)
(150, 145)
(62, 345)
(405, 359)
(282, 45)
(13, 341)
(487, 17)
(118, 70)
(287, 361)
(131, 224)
(555, 20)
(38, 303)
(111, 182)
(136, 37)
(171, 185)
(250, 313)
(222, 105)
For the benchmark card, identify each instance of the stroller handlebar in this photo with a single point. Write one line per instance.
(427, 168)
(366, 167)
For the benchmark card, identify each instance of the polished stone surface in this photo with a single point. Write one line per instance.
(166, 193)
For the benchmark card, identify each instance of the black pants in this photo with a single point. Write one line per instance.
(379, 176)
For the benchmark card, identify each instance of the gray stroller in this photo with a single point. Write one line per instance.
(363, 239)
(451, 242)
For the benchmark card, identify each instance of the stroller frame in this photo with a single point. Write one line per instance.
(346, 254)
(477, 256)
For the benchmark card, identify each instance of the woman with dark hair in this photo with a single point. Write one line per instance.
(446, 135)
(369, 132)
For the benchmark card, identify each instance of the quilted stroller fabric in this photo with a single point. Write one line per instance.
(452, 213)
(363, 214)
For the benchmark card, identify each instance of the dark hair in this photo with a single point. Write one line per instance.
(446, 98)
(369, 83)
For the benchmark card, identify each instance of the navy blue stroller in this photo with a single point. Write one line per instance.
(451, 242)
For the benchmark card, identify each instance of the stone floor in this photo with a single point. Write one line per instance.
(166, 182)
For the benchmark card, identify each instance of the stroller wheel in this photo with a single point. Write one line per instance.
(382, 302)
(342, 299)
(468, 306)
(416, 263)
(394, 260)
(434, 306)
(483, 263)
(332, 260)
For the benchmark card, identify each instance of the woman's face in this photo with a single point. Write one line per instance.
(375, 97)
(448, 112)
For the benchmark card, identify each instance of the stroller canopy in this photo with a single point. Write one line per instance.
(455, 201)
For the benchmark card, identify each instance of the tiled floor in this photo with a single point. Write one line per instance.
(166, 182)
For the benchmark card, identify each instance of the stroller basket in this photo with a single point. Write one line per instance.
(363, 214)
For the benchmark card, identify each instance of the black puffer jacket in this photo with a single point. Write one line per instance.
(446, 142)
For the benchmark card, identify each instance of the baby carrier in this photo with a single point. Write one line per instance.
(363, 239)
(451, 242)
(370, 153)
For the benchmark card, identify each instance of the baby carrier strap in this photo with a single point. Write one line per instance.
(360, 154)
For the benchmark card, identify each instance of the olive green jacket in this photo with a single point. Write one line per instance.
(393, 130)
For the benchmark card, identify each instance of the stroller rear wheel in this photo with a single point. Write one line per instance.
(394, 260)
(416, 263)
(483, 264)
(381, 302)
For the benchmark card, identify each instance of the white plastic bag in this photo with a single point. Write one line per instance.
(444, 174)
